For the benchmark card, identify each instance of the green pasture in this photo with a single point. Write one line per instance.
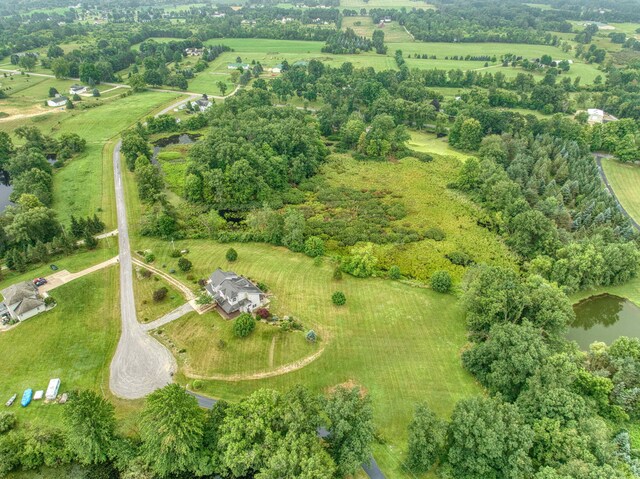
(393, 32)
(400, 342)
(369, 4)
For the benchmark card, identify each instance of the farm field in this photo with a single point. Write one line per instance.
(625, 181)
(74, 341)
(393, 32)
(399, 341)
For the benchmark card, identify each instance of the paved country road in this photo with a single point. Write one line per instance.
(141, 364)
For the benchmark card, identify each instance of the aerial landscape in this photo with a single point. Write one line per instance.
(321, 239)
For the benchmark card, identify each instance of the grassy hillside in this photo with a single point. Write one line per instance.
(400, 342)
(625, 181)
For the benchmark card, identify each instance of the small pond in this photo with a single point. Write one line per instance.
(604, 318)
(6, 189)
(182, 139)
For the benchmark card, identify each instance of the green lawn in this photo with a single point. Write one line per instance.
(400, 342)
(74, 341)
(195, 341)
(429, 143)
(625, 181)
(393, 32)
(146, 308)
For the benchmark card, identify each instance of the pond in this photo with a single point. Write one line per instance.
(181, 139)
(604, 318)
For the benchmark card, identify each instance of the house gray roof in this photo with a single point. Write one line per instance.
(19, 291)
(225, 285)
(28, 304)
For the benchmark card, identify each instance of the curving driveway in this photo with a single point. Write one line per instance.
(141, 364)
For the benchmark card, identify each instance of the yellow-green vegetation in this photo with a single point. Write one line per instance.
(422, 188)
(625, 181)
(400, 342)
(147, 308)
(74, 342)
(364, 26)
(205, 346)
(429, 143)
(173, 160)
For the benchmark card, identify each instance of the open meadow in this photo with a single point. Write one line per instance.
(364, 26)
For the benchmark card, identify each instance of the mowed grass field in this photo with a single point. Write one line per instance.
(400, 342)
(625, 181)
(146, 308)
(84, 186)
(364, 26)
(74, 342)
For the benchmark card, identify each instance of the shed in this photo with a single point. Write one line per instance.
(52, 389)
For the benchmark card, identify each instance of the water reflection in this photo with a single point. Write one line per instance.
(604, 318)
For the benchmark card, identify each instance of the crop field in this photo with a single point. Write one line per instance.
(393, 32)
(74, 341)
(401, 342)
(625, 181)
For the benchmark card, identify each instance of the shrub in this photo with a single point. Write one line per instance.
(314, 247)
(149, 258)
(263, 313)
(262, 287)
(49, 301)
(175, 253)
(435, 234)
(221, 344)
(243, 325)
(160, 294)
(145, 273)
(311, 336)
(231, 255)
(394, 272)
(196, 385)
(337, 274)
(441, 281)
(338, 298)
(184, 264)
(460, 259)
(7, 421)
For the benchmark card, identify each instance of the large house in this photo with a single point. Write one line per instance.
(21, 301)
(202, 104)
(233, 293)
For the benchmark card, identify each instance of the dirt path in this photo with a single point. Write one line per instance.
(20, 116)
(287, 368)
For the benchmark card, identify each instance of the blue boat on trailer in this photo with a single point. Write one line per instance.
(26, 397)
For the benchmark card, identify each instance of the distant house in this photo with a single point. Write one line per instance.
(235, 66)
(277, 68)
(77, 89)
(202, 104)
(193, 52)
(233, 293)
(58, 101)
(387, 20)
(22, 301)
(599, 116)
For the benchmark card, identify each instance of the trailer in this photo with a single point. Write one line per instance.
(52, 389)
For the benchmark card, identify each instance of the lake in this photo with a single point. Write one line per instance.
(604, 318)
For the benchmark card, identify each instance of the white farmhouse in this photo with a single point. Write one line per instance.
(22, 301)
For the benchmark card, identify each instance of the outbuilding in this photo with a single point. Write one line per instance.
(52, 389)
